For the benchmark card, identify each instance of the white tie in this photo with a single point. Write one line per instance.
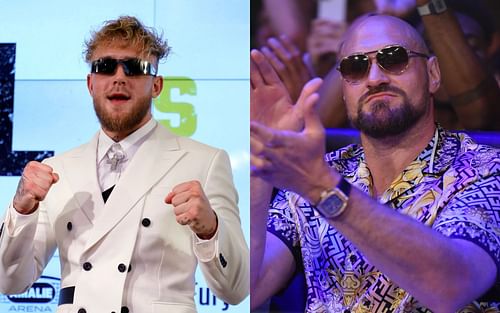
(115, 159)
(116, 155)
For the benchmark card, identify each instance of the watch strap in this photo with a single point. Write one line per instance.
(432, 7)
(344, 186)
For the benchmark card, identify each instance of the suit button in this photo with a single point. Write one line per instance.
(124, 309)
(222, 260)
(146, 222)
(129, 267)
(82, 311)
(69, 226)
(122, 268)
(87, 266)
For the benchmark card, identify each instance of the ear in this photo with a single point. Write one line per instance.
(157, 85)
(434, 74)
(90, 86)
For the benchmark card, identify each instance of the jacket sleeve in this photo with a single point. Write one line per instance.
(26, 245)
(227, 269)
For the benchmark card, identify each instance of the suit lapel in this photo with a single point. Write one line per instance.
(151, 162)
(81, 172)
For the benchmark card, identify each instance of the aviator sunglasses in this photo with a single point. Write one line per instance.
(392, 59)
(131, 67)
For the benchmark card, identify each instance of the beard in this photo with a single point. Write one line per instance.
(386, 120)
(126, 121)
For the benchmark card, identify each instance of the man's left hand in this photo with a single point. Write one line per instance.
(191, 207)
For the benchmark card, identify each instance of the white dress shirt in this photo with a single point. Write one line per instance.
(107, 176)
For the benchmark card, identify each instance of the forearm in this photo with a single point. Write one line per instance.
(260, 192)
(442, 273)
(459, 64)
(267, 249)
(227, 269)
(472, 89)
(272, 278)
(17, 265)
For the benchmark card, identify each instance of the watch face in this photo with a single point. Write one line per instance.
(332, 205)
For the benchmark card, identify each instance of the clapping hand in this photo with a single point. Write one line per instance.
(291, 158)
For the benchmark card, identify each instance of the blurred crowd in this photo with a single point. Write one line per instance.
(301, 40)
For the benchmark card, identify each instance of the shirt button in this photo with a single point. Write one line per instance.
(82, 311)
(122, 268)
(69, 226)
(87, 266)
(146, 222)
(129, 267)
(124, 309)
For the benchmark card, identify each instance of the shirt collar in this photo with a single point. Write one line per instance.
(434, 159)
(105, 142)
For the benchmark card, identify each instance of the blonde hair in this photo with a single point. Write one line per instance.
(129, 31)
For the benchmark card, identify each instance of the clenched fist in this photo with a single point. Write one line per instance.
(35, 182)
(191, 207)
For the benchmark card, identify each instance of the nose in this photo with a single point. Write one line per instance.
(119, 75)
(376, 75)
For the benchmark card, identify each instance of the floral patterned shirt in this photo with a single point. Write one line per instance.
(453, 186)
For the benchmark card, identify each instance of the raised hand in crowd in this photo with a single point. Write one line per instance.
(290, 18)
(287, 60)
(323, 48)
(323, 44)
(469, 94)
(473, 92)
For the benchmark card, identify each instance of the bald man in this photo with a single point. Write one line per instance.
(408, 221)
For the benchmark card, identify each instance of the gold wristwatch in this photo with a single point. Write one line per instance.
(333, 202)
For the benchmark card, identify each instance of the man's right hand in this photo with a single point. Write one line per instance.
(35, 182)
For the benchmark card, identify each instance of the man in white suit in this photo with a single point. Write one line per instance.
(133, 211)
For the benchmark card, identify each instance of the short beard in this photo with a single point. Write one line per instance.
(120, 123)
(383, 121)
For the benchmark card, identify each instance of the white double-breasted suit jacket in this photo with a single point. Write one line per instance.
(130, 251)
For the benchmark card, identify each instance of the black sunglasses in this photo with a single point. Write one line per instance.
(392, 59)
(131, 67)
